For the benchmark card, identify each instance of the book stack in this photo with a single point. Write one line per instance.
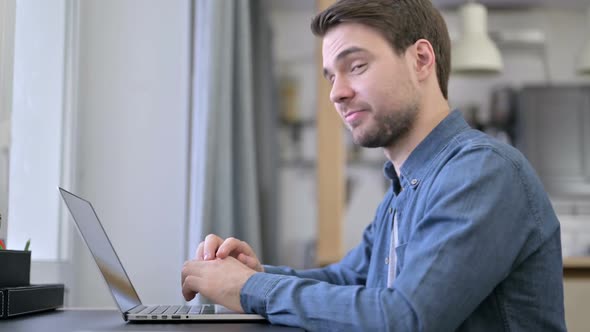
(17, 295)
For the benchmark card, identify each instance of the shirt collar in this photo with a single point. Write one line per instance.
(418, 162)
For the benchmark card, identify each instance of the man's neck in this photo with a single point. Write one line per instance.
(427, 119)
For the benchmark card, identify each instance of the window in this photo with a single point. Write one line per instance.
(39, 104)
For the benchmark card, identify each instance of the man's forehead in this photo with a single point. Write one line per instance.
(335, 50)
(349, 35)
(340, 37)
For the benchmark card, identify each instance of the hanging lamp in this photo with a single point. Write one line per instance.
(475, 52)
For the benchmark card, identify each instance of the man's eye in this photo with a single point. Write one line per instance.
(358, 68)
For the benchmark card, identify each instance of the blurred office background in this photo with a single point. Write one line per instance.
(180, 118)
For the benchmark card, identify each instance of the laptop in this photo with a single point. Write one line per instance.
(119, 283)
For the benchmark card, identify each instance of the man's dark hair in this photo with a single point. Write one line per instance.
(401, 22)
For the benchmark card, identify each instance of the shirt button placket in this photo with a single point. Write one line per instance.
(390, 211)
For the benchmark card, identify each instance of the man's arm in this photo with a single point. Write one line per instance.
(351, 270)
(215, 255)
(472, 234)
(320, 306)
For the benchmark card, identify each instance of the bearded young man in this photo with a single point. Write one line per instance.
(465, 239)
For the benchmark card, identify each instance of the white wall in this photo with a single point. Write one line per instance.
(132, 141)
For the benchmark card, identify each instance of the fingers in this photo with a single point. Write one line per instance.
(213, 246)
(189, 286)
(247, 260)
(200, 251)
(233, 246)
(250, 262)
(210, 246)
(189, 280)
(187, 293)
(186, 271)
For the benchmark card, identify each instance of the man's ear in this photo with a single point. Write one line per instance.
(425, 59)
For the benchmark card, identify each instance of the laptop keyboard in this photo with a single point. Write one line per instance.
(175, 310)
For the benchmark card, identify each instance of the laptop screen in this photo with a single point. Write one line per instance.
(101, 248)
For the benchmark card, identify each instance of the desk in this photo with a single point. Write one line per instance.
(111, 320)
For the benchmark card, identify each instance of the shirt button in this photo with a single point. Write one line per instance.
(390, 211)
(386, 260)
(414, 182)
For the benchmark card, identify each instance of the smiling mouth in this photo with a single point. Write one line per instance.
(353, 117)
(352, 113)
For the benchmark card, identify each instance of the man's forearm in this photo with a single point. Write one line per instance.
(336, 274)
(316, 274)
(316, 305)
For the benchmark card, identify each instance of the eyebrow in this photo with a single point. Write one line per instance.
(344, 54)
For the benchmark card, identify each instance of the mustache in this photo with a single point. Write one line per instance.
(346, 108)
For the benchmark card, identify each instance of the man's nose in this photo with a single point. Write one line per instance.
(341, 91)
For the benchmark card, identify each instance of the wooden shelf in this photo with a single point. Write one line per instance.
(577, 262)
(576, 267)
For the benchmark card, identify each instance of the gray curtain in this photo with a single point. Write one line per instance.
(234, 148)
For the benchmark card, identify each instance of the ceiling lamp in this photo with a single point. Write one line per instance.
(475, 52)
(584, 60)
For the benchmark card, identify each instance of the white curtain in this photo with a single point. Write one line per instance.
(233, 189)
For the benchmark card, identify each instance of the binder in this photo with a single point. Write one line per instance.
(23, 300)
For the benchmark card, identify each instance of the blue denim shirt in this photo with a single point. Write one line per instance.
(479, 250)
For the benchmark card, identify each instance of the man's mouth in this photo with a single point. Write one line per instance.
(354, 116)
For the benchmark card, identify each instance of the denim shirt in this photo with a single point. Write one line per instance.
(479, 250)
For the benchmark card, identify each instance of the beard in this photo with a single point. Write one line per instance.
(387, 129)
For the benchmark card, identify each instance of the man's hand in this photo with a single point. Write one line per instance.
(215, 247)
(220, 280)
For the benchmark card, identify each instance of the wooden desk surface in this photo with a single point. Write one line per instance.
(111, 320)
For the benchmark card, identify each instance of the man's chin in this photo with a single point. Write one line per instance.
(365, 142)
